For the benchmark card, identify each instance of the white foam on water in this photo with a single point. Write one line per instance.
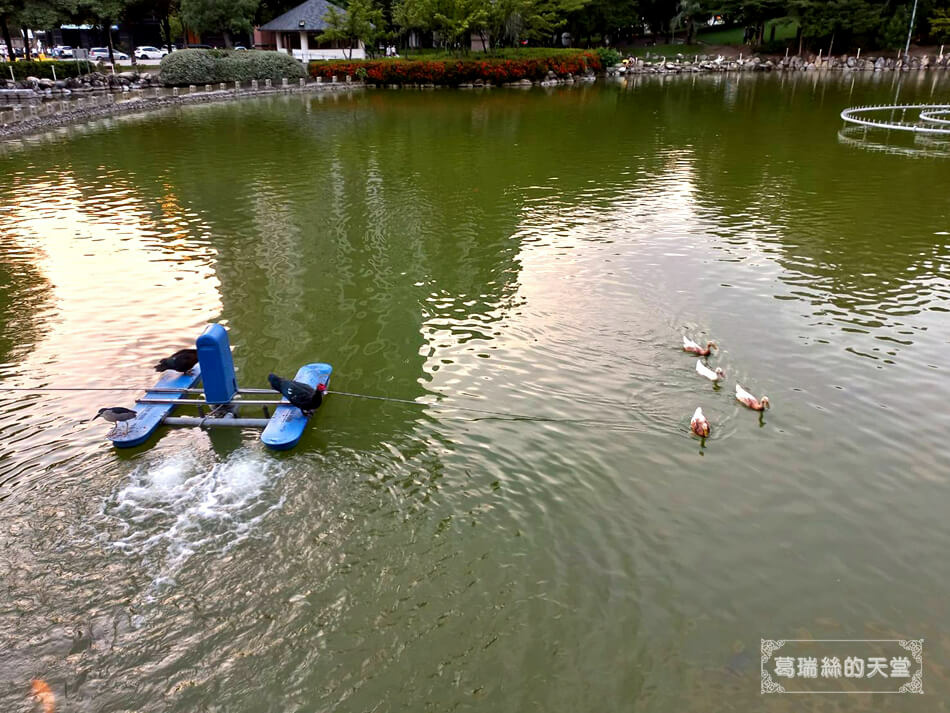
(179, 506)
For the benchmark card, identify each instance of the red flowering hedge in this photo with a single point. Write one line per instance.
(457, 71)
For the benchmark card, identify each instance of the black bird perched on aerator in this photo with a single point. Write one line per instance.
(183, 361)
(116, 415)
(303, 396)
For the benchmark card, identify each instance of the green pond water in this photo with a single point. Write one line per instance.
(538, 254)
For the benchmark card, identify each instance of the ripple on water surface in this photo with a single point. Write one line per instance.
(537, 255)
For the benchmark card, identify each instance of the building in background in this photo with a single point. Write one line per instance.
(299, 32)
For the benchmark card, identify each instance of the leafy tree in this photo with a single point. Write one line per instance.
(535, 21)
(104, 13)
(659, 15)
(224, 16)
(893, 31)
(612, 20)
(7, 10)
(754, 14)
(413, 15)
(689, 10)
(457, 20)
(165, 10)
(361, 22)
(940, 25)
(841, 19)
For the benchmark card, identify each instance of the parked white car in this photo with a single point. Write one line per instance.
(149, 52)
(102, 53)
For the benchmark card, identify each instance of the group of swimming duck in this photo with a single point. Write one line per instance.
(301, 395)
(699, 424)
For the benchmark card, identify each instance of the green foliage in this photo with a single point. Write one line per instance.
(534, 21)
(361, 21)
(412, 15)
(219, 15)
(766, 24)
(842, 19)
(894, 31)
(940, 25)
(457, 20)
(608, 56)
(608, 19)
(184, 67)
(41, 70)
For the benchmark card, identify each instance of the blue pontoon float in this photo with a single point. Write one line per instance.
(215, 370)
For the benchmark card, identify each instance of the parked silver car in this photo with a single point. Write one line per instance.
(102, 53)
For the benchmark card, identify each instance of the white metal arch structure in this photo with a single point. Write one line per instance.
(929, 117)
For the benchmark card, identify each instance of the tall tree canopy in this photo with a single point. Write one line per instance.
(224, 16)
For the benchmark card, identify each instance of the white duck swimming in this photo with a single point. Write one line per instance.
(704, 370)
(698, 424)
(693, 348)
(747, 399)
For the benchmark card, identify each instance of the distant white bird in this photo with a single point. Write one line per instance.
(698, 424)
(704, 370)
(747, 399)
(693, 348)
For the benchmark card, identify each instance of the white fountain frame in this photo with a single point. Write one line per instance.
(929, 117)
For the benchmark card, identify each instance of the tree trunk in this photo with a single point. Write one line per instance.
(6, 36)
(131, 46)
(228, 42)
(109, 40)
(167, 28)
(26, 44)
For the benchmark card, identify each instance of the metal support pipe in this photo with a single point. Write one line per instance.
(910, 28)
(197, 402)
(215, 422)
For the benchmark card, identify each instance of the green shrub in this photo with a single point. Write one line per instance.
(209, 66)
(608, 56)
(187, 67)
(40, 70)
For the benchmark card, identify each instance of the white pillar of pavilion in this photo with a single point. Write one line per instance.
(304, 46)
(280, 46)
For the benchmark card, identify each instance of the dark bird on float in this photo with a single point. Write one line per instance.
(116, 415)
(303, 396)
(183, 361)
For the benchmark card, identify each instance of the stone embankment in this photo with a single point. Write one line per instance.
(38, 107)
(845, 63)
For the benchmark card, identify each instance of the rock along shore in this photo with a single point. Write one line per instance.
(31, 106)
(704, 63)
